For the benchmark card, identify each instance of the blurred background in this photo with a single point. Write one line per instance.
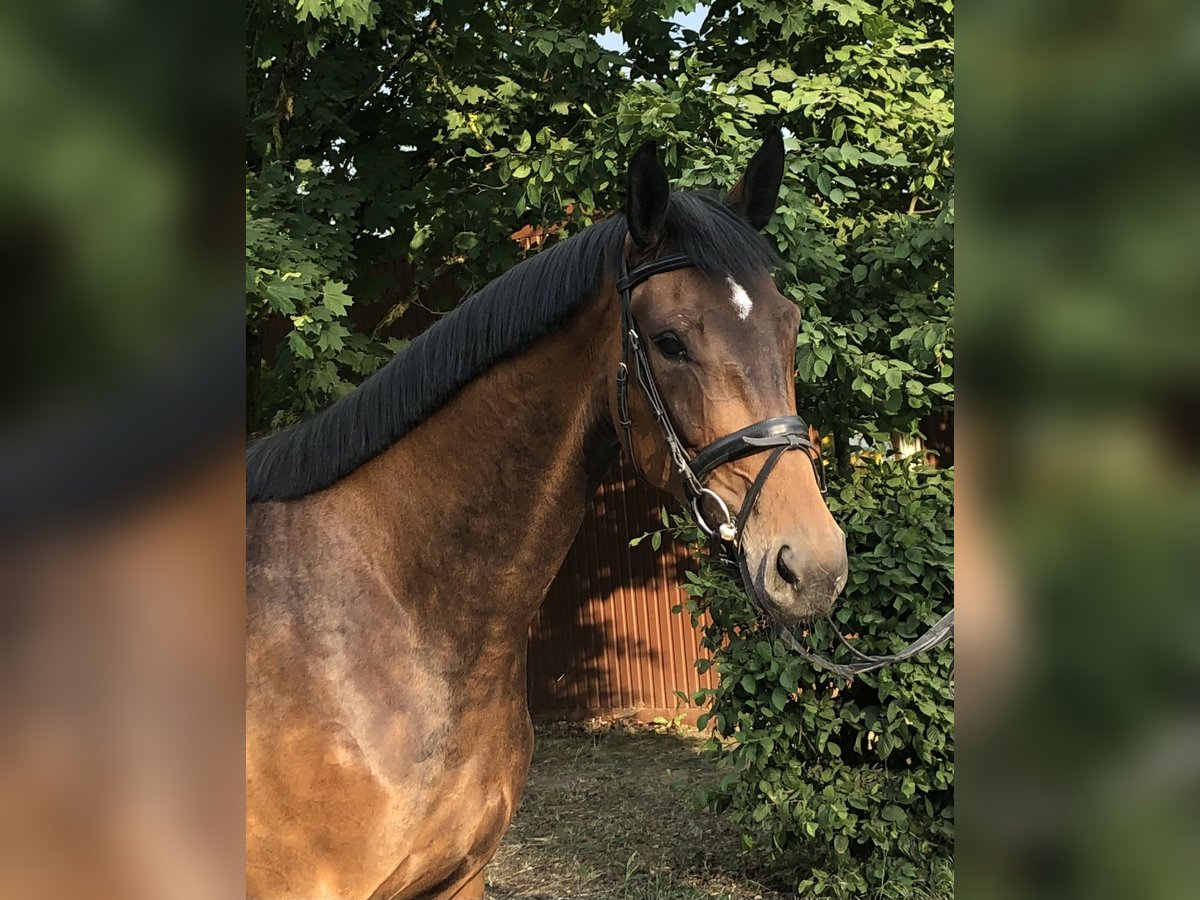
(1078, 507)
(122, 151)
(121, 488)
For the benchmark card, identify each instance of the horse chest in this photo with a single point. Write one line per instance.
(453, 812)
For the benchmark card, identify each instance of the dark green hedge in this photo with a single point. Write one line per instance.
(850, 782)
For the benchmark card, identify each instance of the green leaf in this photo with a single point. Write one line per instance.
(335, 298)
(299, 346)
(779, 698)
(309, 9)
(420, 236)
(789, 681)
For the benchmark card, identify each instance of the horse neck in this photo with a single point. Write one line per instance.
(470, 515)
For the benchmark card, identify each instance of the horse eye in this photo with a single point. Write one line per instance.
(670, 346)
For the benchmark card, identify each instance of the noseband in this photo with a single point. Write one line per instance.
(776, 435)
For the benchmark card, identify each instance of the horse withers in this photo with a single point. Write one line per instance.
(401, 541)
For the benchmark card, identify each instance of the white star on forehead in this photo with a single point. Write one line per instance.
(741, 300)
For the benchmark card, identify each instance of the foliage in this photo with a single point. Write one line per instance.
(430, 132)
(425, 132)
(854, 779)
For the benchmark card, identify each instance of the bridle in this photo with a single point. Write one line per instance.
(776, 435)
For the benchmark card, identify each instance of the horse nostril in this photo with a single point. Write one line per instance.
(784, 564)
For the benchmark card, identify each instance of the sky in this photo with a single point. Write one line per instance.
(610, 40)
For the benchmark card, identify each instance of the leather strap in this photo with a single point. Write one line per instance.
(781, 431)
(751, 499)
(630, 280)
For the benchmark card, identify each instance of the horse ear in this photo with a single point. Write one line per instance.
(646, 197)
(756, 194)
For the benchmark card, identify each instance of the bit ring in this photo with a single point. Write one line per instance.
(727, 531)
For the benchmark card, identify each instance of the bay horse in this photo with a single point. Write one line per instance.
(401, 541)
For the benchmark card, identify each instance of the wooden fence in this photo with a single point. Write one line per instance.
(605, 642)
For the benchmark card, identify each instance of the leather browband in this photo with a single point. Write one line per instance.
(648, 270)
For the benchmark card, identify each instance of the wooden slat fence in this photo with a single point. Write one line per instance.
(605, 642)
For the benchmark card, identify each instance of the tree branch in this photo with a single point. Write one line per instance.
(414, 299)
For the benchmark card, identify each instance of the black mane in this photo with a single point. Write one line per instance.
(504, 319)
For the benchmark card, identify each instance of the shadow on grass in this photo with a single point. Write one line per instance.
(607, 813)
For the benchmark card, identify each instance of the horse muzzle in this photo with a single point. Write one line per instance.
(795, 580)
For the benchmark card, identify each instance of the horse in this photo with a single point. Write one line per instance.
(401, 541)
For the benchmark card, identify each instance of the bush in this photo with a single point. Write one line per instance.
(853, 783)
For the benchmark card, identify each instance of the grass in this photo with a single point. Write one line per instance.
(606, 814)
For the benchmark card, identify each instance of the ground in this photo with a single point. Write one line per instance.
(606, 814)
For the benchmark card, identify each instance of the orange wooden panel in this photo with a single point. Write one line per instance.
(605, 642)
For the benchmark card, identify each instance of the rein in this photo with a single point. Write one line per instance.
(776, 435)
